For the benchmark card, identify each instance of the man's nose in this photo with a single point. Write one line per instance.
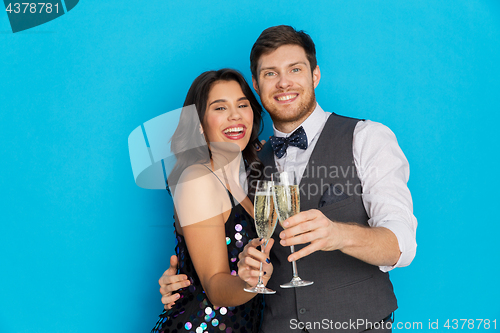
(284, 82)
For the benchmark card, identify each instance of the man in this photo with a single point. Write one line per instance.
(356, 222)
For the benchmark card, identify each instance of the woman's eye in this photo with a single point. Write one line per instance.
(243, 106)
(220, 108)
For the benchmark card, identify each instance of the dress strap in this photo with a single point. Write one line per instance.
(225, 178)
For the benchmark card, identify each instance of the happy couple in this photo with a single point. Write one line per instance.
(348, 240)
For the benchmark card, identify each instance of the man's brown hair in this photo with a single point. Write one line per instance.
(274, 37)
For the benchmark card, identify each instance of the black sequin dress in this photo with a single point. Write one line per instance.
(193, 312)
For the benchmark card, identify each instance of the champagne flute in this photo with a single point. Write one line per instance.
(287, 201)
(265, 223)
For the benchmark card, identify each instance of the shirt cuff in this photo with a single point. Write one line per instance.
(406, 241)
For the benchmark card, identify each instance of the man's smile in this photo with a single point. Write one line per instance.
(286, 97)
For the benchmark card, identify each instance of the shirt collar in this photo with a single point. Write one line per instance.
(311, 125)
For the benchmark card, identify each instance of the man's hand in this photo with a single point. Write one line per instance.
(170, 282)
(250, 259)
(374, 245)
(312, 227)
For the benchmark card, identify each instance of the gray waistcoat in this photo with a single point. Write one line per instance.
(345, 289)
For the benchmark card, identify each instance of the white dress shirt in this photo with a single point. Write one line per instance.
(383, 170)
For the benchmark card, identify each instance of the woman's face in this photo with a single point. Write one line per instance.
(229, 116)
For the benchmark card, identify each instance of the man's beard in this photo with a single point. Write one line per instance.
(303, 109)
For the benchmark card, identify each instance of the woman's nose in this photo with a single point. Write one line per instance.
(235, 113)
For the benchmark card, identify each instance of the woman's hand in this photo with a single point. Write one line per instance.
(250, 259)
(170, 282)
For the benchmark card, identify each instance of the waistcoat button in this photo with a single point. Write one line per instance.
(302, 311)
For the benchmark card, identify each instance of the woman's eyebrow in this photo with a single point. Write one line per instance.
(218, 101)
(223, 100)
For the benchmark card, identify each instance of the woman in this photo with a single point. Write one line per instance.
(213, 214)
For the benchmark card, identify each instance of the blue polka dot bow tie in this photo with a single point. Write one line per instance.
(297, 139)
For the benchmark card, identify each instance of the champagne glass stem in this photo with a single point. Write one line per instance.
(294, 264)
(259, 283)
(296, 280)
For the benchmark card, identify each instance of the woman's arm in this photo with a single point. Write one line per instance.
(207, 248)
(203, 206)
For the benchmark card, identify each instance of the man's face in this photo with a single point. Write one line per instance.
(286, 85)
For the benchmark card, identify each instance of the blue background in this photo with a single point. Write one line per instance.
(82, 247)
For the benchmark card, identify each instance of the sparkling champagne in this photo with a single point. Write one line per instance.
(265, 221)
(287, 201)
(265, 218)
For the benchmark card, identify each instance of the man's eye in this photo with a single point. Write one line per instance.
(269, 74)
(296, 70)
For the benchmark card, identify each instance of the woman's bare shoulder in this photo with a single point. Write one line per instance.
(198, 183)
(199, 195)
